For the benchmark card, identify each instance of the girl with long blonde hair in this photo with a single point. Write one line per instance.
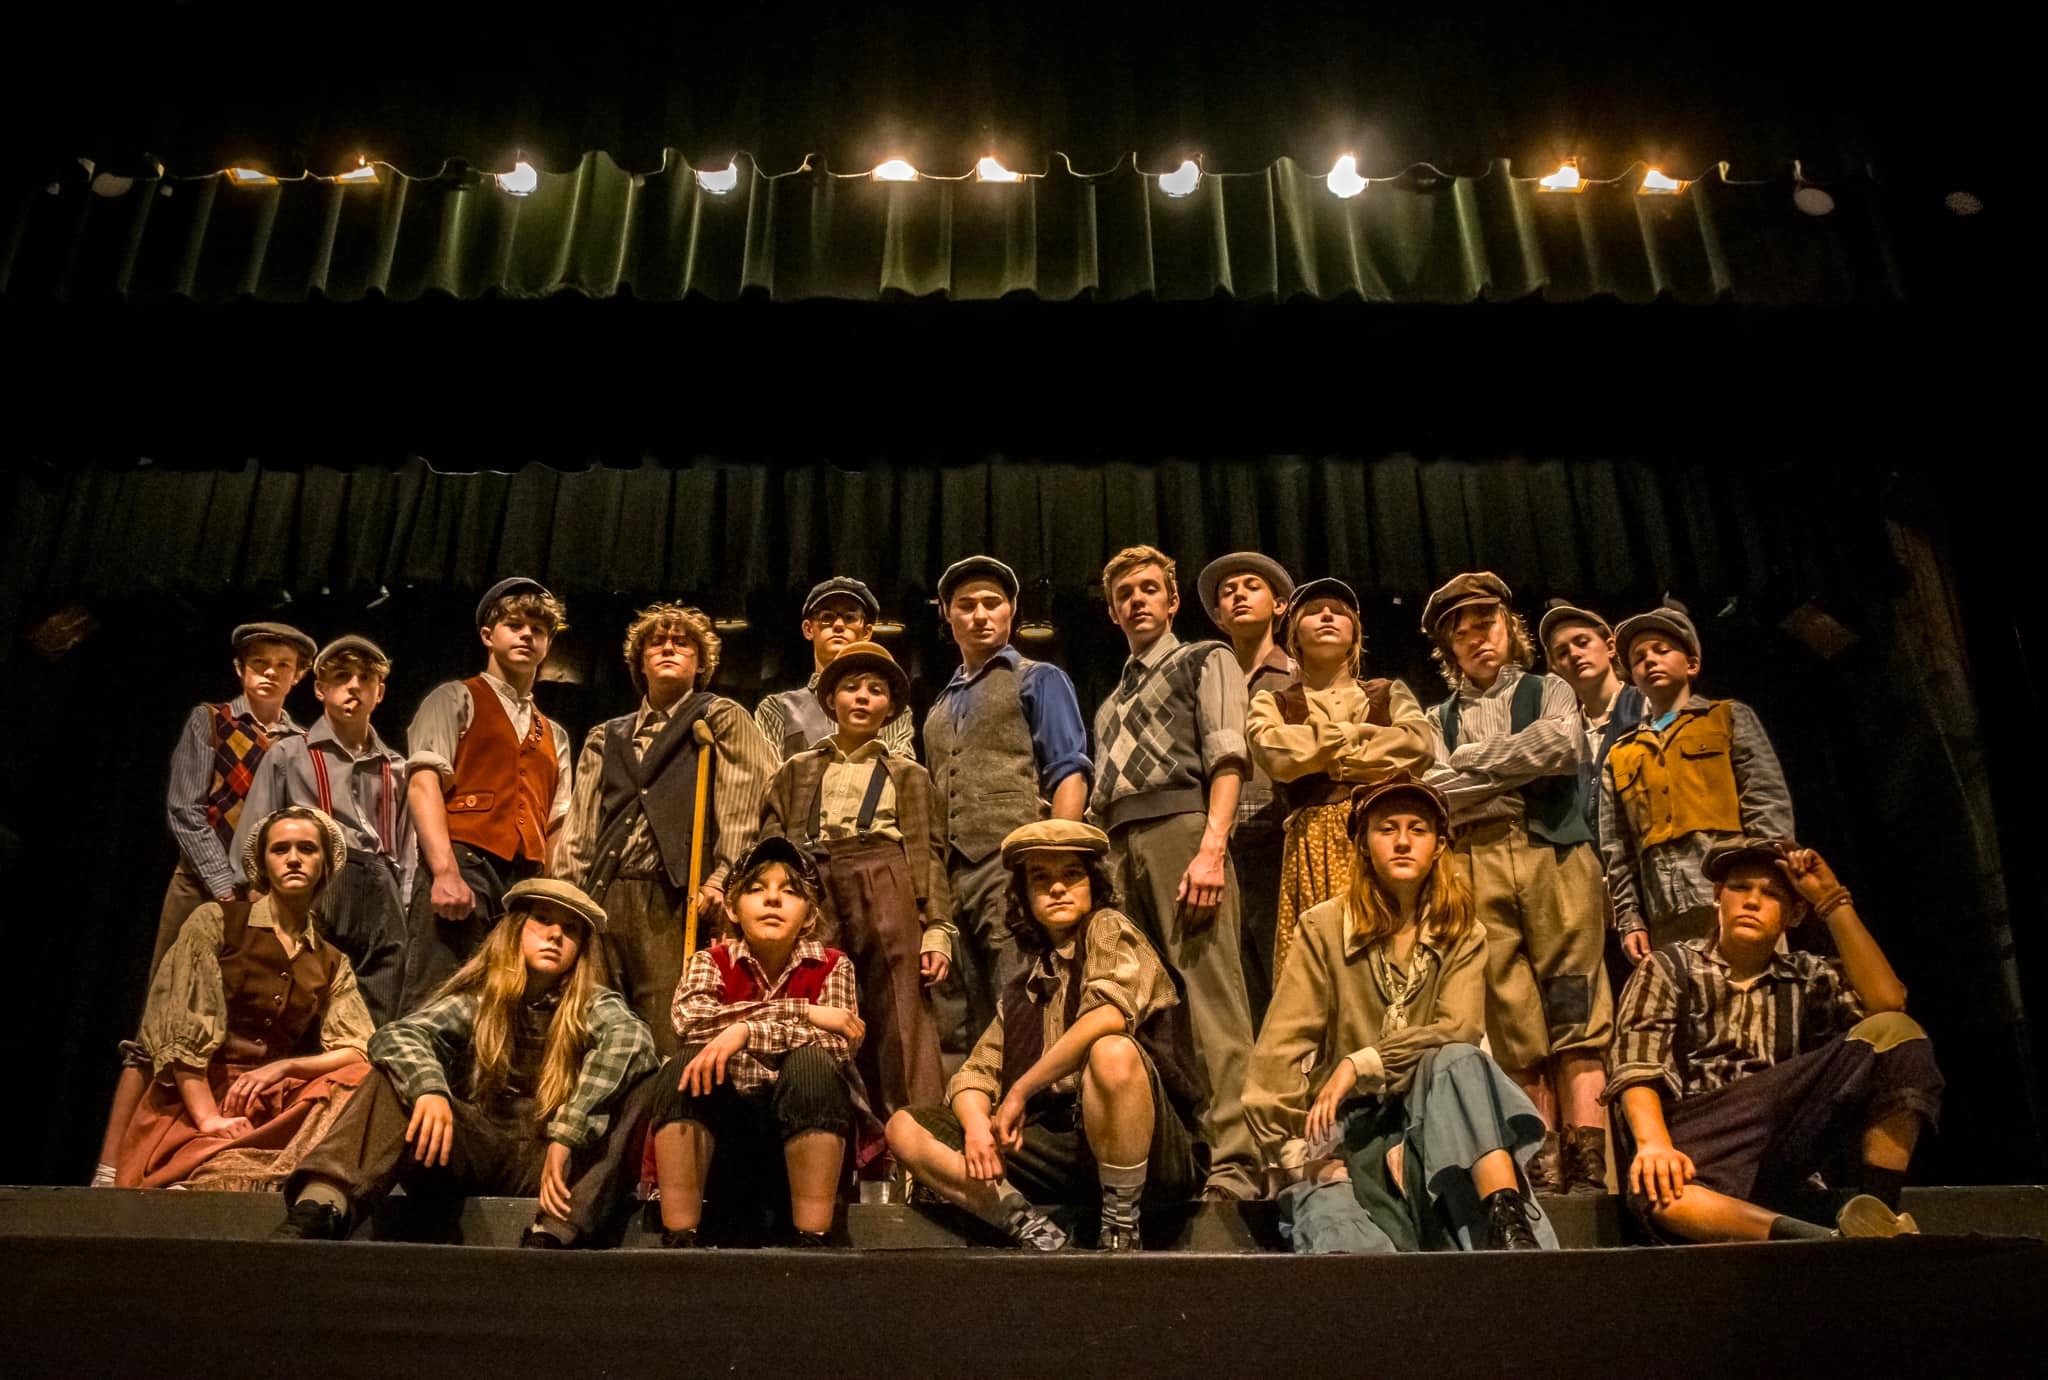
(523, 1075)
(1367, 1091)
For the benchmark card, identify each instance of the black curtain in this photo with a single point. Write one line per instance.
(159, 564)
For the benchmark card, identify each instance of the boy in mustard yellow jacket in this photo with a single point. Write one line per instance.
(1695, 771)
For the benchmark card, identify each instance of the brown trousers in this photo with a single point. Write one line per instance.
(871, 905)
(643, 944)
(498, 1149)
(1545, 912)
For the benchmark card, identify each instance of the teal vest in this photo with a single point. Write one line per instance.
(1554, 807)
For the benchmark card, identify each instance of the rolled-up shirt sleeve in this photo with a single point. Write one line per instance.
(1059, 736)
(437, 727)
(982, 1070)
(346, 1023)
(1645, 1030)
(1220, 703)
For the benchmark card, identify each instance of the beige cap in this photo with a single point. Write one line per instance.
(564, 894)
(1054, 836)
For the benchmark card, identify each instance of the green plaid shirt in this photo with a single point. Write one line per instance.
(417, 1051)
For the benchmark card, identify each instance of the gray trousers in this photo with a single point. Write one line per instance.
(1150, 857)
(983, 960)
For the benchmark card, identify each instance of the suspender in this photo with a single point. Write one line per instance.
(1784, 1035)
(869, 803)
(387, 824)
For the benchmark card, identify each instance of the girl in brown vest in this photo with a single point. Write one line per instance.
(254, 1029)
(1322, 736)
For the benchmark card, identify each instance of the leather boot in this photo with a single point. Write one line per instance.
(1508, 1215)
(1584, 1160)
(1545, 1169)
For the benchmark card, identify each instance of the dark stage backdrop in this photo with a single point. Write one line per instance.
(1878, 735)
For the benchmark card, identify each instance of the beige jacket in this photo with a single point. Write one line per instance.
(1326, 1007)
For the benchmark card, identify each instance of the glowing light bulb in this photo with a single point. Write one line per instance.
(361, 172)
(250, 177)
(1565, 179)
(720, 182)
(1182, 180)
(521, 181)
(989, 170)
(1657, 184)
(1344, 179)
(894, 170)
(1036, 630)
(1812, 200)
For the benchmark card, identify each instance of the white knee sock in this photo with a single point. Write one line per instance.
(102, 1176)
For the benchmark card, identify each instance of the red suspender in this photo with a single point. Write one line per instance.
(387, 831)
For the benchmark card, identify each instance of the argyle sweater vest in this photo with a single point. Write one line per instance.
(238, 748)
(1148, 752)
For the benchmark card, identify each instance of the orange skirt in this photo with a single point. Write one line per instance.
(163, 1146)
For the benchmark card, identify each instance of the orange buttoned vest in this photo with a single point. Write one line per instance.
(1680, 781)
(503, 788)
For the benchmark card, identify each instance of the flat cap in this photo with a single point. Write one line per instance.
(978, 568)
(1400, 785)
(849, 587)
(568, 896)
(1325, 587)
(1670, 618)
(1559, 612)
(1054, 836)
(333, 843)
(1473, 587)
(1722, 857)
(1238, 563)
(511, 584)
(856, 657)
(275, 632)
(774, 848)
(350, 642)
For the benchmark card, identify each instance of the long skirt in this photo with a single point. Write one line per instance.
(1315, 865)
(163, 1146)
(1459, 1109)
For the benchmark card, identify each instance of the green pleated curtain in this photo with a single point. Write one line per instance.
(601, 231)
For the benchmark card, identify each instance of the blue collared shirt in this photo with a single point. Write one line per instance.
(1059, 739)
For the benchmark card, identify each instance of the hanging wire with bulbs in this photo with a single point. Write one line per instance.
(1344, 180)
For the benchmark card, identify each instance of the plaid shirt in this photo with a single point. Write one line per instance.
(776, 1023)
(1729, 1032)
(417, 1051)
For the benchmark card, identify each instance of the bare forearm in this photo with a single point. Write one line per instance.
(430, 821)
(196, 1093)
(1223, 791)
(1070, 797)
(325, 1062)
(1870, 972)
(973, 1108)
(1644, 1108)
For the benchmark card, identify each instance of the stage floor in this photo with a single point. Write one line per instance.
(119, 1283)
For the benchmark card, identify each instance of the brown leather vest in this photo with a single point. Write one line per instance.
(275, 1003)
(1319, 789)
(503, 788)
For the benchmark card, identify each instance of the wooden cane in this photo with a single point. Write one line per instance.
(702, 732)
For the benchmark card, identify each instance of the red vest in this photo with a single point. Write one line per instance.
(503, 788)
(806, 982)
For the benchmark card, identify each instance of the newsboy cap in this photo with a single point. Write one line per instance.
(977, 568)
(1054, 836)
(1473, 587)
(847, 586)
(568, 896)
(1670, 618)
(273, 632)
